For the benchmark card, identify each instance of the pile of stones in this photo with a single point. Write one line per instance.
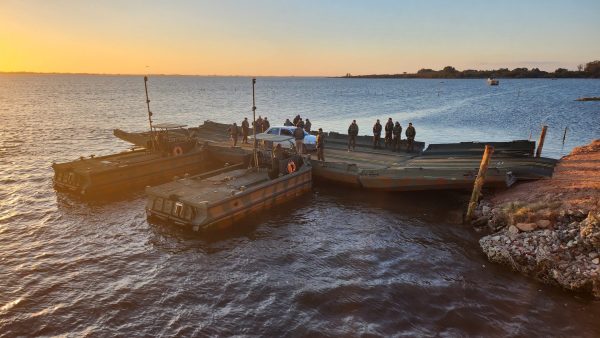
(559, 247)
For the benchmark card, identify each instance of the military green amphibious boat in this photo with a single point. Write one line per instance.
(224, 197)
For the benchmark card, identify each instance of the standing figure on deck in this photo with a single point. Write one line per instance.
(320, 145)
(376, 134)
(410, 137)
(352, 133)
(233, 133)
(296, 119)
(389, 127)
(259, 124)
(245, 130)
(288, 123)
(300, 123)
(307, 126)
(396, 133)
(299, 137)
(266, 124)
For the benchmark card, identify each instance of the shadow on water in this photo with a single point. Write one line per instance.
(209, 240)
(63, 197)
(428, 206)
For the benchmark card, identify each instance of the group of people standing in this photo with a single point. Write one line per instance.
(392, 138)
(393, 135)
(299, 122)
(234, 132)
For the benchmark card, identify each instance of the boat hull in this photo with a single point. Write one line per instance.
(230, 211)
(407, 179)
(93, 177)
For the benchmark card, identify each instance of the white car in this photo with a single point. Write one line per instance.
(310, 141)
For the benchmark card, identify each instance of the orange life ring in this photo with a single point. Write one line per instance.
(291, 167)
(177, 151)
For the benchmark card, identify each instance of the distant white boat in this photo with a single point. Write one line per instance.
(492, 81)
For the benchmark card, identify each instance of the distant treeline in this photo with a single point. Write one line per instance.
(589, 70)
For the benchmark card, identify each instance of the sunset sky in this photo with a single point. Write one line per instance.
(303, 38)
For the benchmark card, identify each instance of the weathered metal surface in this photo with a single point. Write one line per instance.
(451, 166)
(168, 125)
(127, 171)
(441, 166)
(223, 199)
(512, 148)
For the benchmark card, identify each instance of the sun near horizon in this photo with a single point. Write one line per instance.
(293, 38)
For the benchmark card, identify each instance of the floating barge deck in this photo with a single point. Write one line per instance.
(440, 166)
(131, 170)
(221, 200)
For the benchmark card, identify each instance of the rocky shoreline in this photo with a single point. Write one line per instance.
(549, 229)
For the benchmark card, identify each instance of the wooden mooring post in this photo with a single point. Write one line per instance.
(479, 180)
(538, 152)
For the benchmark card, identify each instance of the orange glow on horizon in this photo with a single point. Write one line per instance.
(282, 38)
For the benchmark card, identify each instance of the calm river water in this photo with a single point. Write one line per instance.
(337, 262)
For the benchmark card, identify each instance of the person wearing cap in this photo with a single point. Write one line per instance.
(389, 127)
(233, 133)
(258, 125)
(396, 134)
(376, 134)
(245, 130)
(410, 137)
(299, 138)
(320, 145)
(307, 125)
(352, 133)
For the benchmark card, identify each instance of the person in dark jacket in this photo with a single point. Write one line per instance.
(307, 126)
(266, 124)
(299, 137)
(288, 123)
(300, 123)
(320, 145)
(396, 133)
(233, 133)
(376, 134)
(410, 137)
(245, 130)
(389, 127)
(352, 133)
(296, 119)
(259, 125)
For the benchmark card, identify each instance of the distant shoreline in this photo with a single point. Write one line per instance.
(415, 76)
(374, 76)
(589, 70)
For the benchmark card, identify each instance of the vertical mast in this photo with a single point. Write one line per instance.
(149, 112)
(255, 154)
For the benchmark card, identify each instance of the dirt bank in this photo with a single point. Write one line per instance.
(550, 229)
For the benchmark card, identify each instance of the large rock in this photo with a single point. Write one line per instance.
(590, 230)
(543, 223)
(526, 226)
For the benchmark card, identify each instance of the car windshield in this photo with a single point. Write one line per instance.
(286, 132)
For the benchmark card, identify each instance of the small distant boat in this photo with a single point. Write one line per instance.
(492, 81)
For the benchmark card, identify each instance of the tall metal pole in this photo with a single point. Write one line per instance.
(254, 152)
(149, 112)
